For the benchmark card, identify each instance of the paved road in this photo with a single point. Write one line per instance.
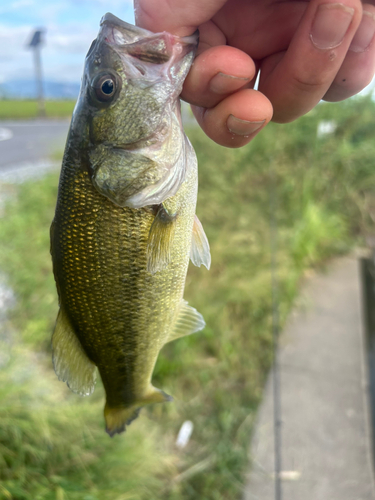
(30, 141)
(326, 437)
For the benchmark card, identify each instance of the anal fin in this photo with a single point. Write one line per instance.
(189, 320)
(159, 240)
(155, 395)
(70, 361)
(200, 248)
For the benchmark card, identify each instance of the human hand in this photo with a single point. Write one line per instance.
(306, 51)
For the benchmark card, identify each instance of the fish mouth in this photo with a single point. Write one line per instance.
(129, 29)
(144, 44)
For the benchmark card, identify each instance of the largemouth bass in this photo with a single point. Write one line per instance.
(125, 223)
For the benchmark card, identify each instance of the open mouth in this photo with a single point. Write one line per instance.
(151, 47)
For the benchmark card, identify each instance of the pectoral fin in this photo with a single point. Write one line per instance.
(159, 241)
(70, 361)
(189, 321)
(200, 248)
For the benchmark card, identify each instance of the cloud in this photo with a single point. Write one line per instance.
(71, 39)
(70, 26)
(14, 6)
(62, 49)
(13, 40)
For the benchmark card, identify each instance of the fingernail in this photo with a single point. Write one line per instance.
(365, 33)
(242, 127)
(330, 25)
(222, 83)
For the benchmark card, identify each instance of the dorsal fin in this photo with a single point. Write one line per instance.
(200, 248)
(70, 361)
(189, 320)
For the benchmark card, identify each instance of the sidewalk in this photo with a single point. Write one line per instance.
(326, 442)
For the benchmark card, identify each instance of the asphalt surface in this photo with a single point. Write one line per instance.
(30, 141)
(326, 434)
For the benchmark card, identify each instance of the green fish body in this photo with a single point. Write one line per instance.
(125, 224)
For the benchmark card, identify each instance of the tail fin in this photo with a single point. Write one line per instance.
(117, 419)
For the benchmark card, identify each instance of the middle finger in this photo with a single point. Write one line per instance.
(216, 73)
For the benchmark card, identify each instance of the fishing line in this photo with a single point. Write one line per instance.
(277, 423)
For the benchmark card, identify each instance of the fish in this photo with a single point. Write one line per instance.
(125, 225)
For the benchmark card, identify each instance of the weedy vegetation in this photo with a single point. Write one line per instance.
(52, 442)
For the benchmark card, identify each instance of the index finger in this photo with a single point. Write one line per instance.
(179, 17)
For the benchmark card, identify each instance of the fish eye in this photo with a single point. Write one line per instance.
(105, 87)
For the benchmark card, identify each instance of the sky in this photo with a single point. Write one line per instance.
(70, 26)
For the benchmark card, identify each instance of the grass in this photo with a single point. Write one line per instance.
(18, 109)
(52, 443)
(52, 447)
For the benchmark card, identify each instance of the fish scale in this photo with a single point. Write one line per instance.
(93, 264)
(120, 271)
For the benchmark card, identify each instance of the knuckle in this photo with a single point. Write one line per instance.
(309, 83)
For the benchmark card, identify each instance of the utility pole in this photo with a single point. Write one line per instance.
(35, 44)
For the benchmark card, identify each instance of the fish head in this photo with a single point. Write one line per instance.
(131, 78)
(129, 93)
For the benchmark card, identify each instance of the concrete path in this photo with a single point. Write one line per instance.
(326, 441)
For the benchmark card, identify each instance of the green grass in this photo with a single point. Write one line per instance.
(17, 109)
(53, 447)
(52, 443)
